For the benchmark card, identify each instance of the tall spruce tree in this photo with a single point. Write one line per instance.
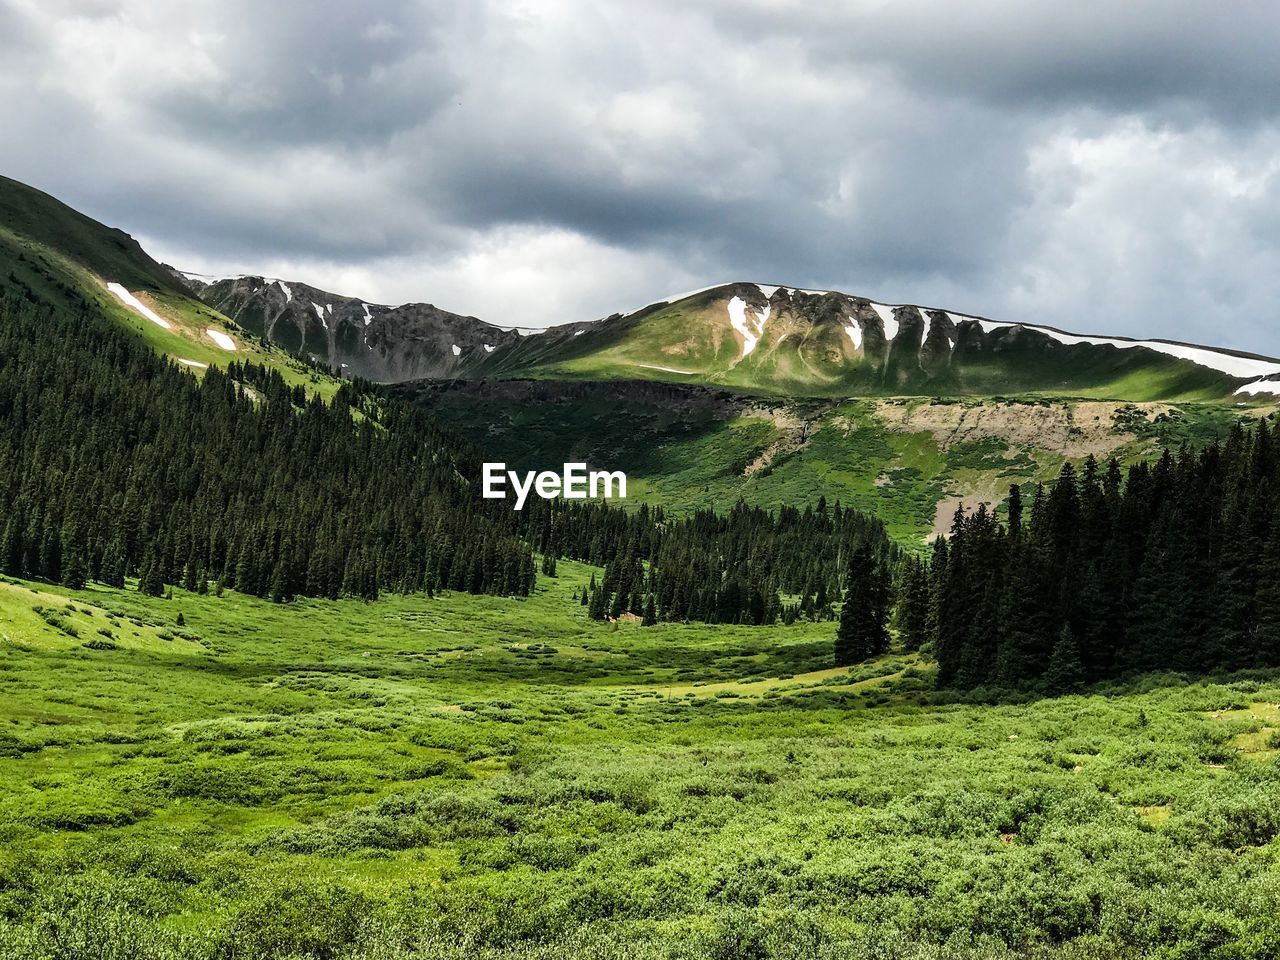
(863, 631)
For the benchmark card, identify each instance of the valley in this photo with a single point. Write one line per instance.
(277, 683)
(505, 778)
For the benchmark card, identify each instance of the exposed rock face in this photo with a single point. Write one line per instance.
(370, 340)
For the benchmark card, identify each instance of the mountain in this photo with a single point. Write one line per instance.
(749, 337)
(792, 342)
(777, 395)
(55, 255)
(746, 336)
(371, 340)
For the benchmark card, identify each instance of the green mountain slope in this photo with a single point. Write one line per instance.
(910, 461)
(787, 342)
(51, 253)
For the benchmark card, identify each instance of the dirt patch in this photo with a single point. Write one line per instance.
(793, 433)
(1072, 430)
(946, 511)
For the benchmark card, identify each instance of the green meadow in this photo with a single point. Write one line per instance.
(500, 778)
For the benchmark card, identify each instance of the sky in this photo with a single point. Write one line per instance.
(1100, 167)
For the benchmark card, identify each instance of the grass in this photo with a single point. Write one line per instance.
(692, 342)
(684, 459)
(493, 777)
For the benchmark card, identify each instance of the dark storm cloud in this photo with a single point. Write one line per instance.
(1102, 166)
(321, 73)
(1192, 57)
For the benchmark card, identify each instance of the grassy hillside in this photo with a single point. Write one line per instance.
(53, 253)
(908, 460)
(833, 345)
(440, 778)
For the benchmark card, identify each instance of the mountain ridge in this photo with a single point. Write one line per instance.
(411, 343)
(743, 336)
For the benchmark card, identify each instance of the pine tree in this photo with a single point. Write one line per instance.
(913, 606)
(598, 608)
(650, 613)
(280, 592)
(150, 580)
(1065, 673)
(75, 571)
(863, 617)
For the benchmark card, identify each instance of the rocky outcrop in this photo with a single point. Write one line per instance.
(357, 338)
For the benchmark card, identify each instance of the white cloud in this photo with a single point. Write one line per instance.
(513, 276)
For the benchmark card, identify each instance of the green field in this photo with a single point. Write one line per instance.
(463, 776)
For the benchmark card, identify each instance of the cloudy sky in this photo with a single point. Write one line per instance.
(1098, 166)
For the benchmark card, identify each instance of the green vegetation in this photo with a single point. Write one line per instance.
(115, 463)
(804, 351)
(898, 459)
(1174, 565)
(471, 761)
(52, 254)
(471, 776)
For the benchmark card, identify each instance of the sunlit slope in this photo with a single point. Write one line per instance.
(782, 341)
(52, 253)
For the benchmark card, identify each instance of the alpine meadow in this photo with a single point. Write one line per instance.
(753, 622)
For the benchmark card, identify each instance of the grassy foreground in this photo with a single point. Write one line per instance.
(504, 778)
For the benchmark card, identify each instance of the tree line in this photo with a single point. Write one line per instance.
(1169, 565)
(746, 566)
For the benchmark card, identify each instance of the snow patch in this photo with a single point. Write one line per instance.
(193, 363)
(676, 298)
(221, 339)
(1222, 362)
(288, 294)
(751, 329)
(368, 317)
(654, 366)
(855, 334)
(320, 313)
(129, 300)
(1259, 386)
(987, 325)
(888, 319)
(487, 348)
(767, 291)
(211, 279)
(456, 350)
(1215, 360)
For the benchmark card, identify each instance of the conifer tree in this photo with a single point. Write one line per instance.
(150, 581)
(1065, 673)
(863, 632)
